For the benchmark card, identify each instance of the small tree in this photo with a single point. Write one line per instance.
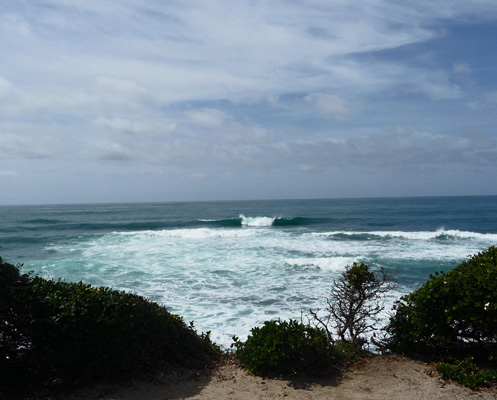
(354, 305)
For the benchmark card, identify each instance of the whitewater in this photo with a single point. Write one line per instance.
(229, 266)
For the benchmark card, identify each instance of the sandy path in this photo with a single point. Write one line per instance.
(381, 378)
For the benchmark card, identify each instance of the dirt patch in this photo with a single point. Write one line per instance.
(381, 378)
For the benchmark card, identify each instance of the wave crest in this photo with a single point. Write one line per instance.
(256, 221)
(262, 221)
(440, 234)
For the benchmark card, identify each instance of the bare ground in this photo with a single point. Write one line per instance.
(381, 377)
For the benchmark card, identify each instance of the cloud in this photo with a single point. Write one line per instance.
(5, 88)
(196, 175)
(110, 151)
(208, 118)
(223, 50)
(14, 25)
(136, 126)
(329, 105)
(461, 68)
(127, 87)
(15, 146)
(103, 95)
(8, 173)
(491, 97)
(397, 151)
(121, 87)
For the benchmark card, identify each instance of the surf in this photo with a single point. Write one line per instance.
(440, 234)
(263, 221)
(231, 265)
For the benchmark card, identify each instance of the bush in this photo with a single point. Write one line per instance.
(467, 373)
(15, 341)
(452, 314)
(351, 353)
(284, 348)
(53, 331)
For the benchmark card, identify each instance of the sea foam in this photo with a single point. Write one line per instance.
(257, 221)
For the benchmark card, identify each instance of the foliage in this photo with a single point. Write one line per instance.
(354, 304)
(467, 373)
(53, 331)
(286, 348)
(350, 353)
(452, 314)
(15, 320)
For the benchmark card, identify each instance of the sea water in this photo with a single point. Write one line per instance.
(229, 266)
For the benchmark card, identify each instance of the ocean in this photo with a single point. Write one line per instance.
(229, 266)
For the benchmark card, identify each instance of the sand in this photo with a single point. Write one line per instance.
(382, 378)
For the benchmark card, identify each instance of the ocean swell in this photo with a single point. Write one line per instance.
(262, 221)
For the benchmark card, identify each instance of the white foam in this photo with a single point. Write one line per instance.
(419, 235)
(257, 221)
(198, 233)
(229, 280)
(441, 233)
(324, 263)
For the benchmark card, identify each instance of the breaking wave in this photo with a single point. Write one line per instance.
(263, 221)
(439, 235)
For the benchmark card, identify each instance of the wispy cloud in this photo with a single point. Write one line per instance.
(8, 173)
(329, 105)
(209, 118)
(229, 86)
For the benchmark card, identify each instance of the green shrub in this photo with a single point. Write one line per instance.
(53, 331)
(452, 314)
(286, 348)
(467, 373)
(15, 318)
(350, 353)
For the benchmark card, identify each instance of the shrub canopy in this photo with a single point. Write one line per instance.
(286, 348)
(453, 313)
(53, 331)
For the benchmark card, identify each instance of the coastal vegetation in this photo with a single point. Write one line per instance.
(453, 313)
(453, 317)
(286, 348)
(353, 307)
(326, 341)
(54, 333)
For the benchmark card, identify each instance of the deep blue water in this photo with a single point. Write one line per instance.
(231, 265)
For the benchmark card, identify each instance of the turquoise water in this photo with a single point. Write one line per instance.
(231, 265)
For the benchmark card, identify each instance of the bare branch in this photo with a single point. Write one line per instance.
(355, 301)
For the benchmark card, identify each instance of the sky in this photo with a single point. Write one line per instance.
(151, 100)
